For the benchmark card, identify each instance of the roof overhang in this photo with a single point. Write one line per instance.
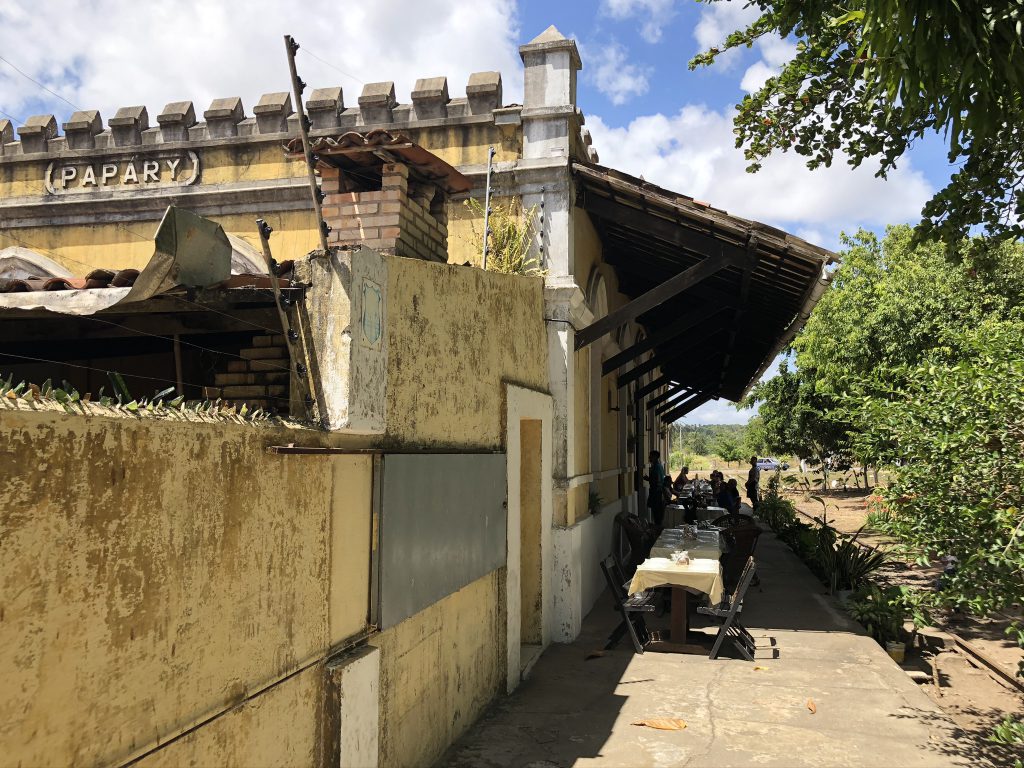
(719, 295)
(363, 154)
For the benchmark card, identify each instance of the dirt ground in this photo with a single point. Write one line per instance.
(971, 695)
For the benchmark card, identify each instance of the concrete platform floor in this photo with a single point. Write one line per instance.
(575, 712)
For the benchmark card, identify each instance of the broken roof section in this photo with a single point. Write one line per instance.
(362, 155)
(719, 294)
(189, 250)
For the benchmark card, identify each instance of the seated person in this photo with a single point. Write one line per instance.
(729, 497)
(682, 479)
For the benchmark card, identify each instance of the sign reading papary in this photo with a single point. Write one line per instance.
(177, 169)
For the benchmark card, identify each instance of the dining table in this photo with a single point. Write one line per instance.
(701, 575)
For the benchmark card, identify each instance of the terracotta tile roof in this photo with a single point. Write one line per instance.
(366, 152)
(98, 278)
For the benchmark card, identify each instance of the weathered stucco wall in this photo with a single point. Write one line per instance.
(155, 573)
(454, 335)
(82, 243)
(439, 669)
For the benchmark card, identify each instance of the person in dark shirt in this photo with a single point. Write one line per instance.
(656, 484)
(682, 479)
(729, 497)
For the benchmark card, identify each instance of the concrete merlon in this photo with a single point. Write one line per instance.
(272, 112)
(82, 128)
(592, 155)
(6, 133)
(325, 106)
(36, 133)
(223, 117)
(586, 137)
(377, 101)
(127, 125)
(430, 97)
(483, 92)
(176, 120)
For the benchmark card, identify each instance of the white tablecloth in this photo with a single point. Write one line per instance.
(698, 575)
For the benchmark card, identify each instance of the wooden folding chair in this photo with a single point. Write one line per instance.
(731, 626)
(630, 607)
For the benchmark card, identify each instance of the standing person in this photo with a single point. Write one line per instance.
(753, 481)
(656, 482)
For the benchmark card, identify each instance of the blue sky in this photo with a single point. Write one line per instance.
(648, 114)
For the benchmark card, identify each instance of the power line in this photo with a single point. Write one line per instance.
(18, 120)
(29, 77)
(160, 379)
(327, 63)
(180, 341)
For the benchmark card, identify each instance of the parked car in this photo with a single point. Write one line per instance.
(768, 464)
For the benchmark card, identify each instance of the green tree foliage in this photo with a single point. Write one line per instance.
(797, 419)
(955, 425)
(922, 359)
(890, 303)
(870, 77)
(755, 438)
(728, 447)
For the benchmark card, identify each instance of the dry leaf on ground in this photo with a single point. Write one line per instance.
(593, 655)
(663, 723)
(760, 669)
(812, 706)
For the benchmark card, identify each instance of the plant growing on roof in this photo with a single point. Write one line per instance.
(508, 241)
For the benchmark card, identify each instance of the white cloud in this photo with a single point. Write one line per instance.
(717, 20)
(656, 14)
(693, 153)
(609, 70)
(775, 52)
(110, 53)
(756, 76)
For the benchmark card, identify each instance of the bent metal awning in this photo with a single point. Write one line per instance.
(719, 296)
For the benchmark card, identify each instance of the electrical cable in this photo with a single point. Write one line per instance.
(332, 66)
(29, 77)
(180, 341)
(18, 120)
(123, 375)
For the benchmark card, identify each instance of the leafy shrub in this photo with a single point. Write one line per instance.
(881, 611)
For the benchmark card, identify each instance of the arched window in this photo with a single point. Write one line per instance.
(17, 263)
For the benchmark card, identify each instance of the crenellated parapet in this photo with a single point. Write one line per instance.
(273, 116)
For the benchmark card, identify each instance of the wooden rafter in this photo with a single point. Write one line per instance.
(657, 295)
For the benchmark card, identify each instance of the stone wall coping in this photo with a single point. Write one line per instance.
(182, 113)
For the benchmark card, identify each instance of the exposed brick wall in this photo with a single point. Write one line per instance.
(259, 380)
(402, 218)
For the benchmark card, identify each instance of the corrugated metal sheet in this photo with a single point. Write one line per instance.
(441, 527)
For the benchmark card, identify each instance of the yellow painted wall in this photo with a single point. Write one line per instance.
(83, 247)
(281, 728)
(156, 572)
(454, 335)
(439, 669)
